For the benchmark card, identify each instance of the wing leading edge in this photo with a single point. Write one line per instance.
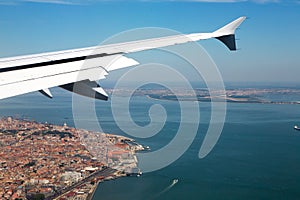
(38, 72)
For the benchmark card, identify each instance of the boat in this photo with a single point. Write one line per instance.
(175, 181)
(297, 128)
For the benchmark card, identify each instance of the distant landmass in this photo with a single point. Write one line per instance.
(245, 95)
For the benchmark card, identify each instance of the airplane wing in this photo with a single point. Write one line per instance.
(78, 70)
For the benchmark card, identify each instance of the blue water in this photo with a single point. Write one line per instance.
(256, 157)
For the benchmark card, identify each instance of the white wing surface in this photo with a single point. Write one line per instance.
(81, 68)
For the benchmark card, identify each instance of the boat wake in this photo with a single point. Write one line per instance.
(174, 182)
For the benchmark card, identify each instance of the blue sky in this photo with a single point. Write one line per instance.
(269, 39)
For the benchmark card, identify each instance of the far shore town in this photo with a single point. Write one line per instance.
(46, 161)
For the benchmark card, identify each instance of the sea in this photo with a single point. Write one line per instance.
(256, 157)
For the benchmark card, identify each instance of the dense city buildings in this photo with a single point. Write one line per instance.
(45, 161)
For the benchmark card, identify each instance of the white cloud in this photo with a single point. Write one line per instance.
(217, 1)
(50, 1)
(66, 2)
(78, 2)
(233, 1)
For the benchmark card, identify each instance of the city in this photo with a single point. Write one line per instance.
(45, 161)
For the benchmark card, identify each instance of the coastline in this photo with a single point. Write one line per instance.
(91, 194)
(60, 162)
(118, 171)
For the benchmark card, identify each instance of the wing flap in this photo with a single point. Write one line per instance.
(46, 92)
(23, 81)
(87, 88)
(36, 84)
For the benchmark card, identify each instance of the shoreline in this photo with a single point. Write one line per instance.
(91, 195)
(72, 161)
(227, 100)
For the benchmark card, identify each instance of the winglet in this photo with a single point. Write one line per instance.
(226, 34)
